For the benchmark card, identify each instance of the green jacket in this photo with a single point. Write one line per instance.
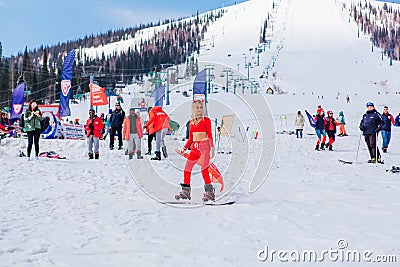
(30, 124)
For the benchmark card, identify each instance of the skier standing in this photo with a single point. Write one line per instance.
(133, 133)
(299, 123)
(159, 120)
(370, 125)
(320, 123)
(342, 123)
(330, 128)
(94, 125)
(202, 149)
(388, 120)
(117, 119)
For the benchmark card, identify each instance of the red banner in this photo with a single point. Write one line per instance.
(97, 96)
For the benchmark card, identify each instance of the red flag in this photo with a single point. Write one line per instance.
(97, 95)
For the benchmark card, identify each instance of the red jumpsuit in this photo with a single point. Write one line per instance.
(200, 151)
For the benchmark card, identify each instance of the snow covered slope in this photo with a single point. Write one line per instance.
(92, 213)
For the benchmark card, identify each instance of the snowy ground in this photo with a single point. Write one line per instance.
(77, 212)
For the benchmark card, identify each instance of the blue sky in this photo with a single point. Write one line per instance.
(36, 22)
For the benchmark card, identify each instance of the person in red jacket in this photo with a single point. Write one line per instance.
(132, 133)
(94, 126)
(159, 124)
(330, 128)
(202, 150)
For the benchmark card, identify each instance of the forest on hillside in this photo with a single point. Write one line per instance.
(40, 68)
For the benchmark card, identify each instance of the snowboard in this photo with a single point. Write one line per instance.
(345, 162)
(199, 203)
(394, 169)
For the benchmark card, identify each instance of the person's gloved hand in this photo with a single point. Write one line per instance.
(377, 130)
(362, 128)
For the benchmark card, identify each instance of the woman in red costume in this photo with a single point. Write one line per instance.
(201, 151)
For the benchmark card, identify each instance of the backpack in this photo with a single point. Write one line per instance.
(44, 123)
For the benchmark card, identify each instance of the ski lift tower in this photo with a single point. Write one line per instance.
(92, 72)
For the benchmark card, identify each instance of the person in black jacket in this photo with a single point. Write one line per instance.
(386, 132)
(116, 120)
(371, 123)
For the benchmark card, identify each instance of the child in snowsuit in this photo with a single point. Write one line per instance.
(342, 123)
(330, 129)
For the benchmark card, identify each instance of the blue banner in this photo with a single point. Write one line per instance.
(66, 81)
(18, 102)
(200, 84)
(311, 120)
(158, 95)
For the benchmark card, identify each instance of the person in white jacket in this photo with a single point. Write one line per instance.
(299, 123)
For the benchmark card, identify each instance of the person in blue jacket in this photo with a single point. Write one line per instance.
(371, 123)
(386, 132)
(397, 121)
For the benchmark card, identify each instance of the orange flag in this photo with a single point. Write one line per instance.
(97, 95)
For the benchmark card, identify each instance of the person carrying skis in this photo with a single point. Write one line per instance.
(116, 120)
(133, 133)
(202, 150)
(386, 132)
(299, 123)
(94, 125)
(371, 123)
(330, 129)
(320, 123)
(342, 123)
(159, 123)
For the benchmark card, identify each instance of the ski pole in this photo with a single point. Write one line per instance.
(376, 148)
(358, 148)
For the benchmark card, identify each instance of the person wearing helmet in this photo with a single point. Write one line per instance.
(342, 123)
(320, 123)
(371, 123)
(330, 129)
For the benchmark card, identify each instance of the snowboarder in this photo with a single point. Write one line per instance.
(370, 125)
(133, 133)
(152, 134)
(116, 120)
(94, 125)
(159, 120)
(388, 120)
(299, 123)
(341, 122)
(348, 99)
(330, 129)
(320, 129)
(202, 150)
(32, 119)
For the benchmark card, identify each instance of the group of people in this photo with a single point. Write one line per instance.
(129, 128)
(324, 126)
(371, 124)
